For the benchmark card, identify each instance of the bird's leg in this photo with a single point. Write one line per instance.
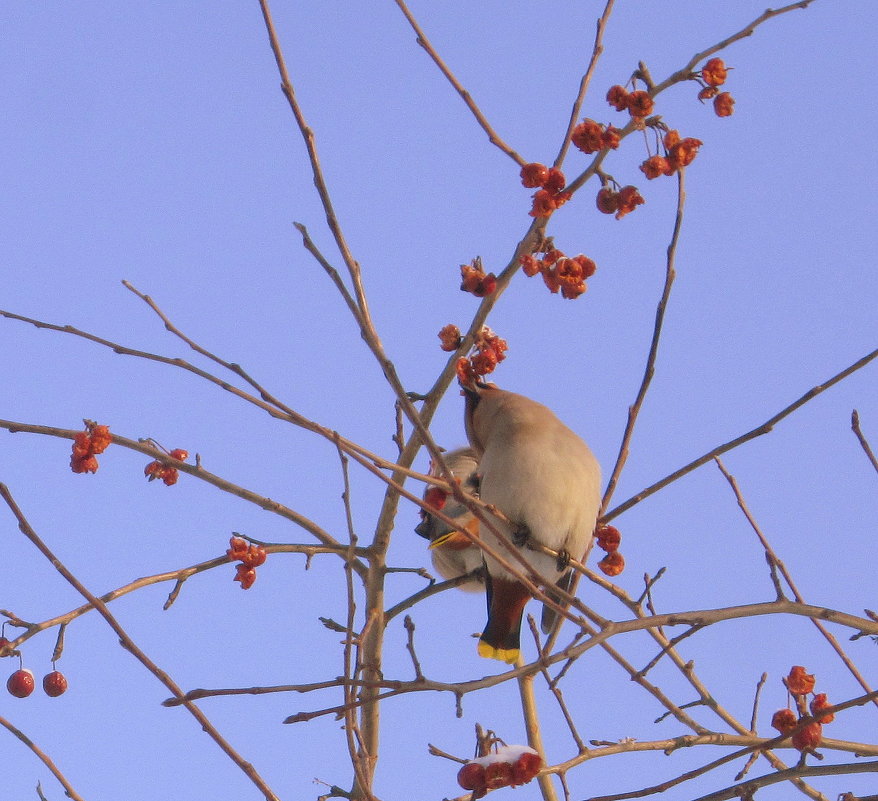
(520, 534)
(563, 560)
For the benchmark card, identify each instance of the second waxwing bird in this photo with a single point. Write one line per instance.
(453, 553)
(546, 482)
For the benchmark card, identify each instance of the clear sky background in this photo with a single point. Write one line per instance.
(150, 142)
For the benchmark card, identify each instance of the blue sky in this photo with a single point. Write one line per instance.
(152, 144)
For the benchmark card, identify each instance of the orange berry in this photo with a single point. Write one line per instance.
(655, 166)
(588, 136)
(617, 96)
(534, 175)
(724, 105)
(179, 453)
(612, 564)
(449, 338)
(808, 737)
(798, 682)
(714, 72)
(543, 204)
(530, 266)
(707, 93)
(640, 104)
(819, 702)
(607, 201)
(628, 200)
(100, 438)
(555, 182)
(784, 720)
(683, 153)
(608, 537)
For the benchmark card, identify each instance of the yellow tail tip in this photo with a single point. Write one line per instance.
(507, 655)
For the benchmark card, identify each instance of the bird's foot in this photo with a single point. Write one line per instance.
(520, 534)
(563, 559)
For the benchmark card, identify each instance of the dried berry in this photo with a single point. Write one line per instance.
(640, 104)
(543, 204)
(588, 136)
(534, 175)
(818, 703)
(617, 96)
(798, 682)
(655, 166)
(449, 338)
(607, 201)
(784, 720)
(612, 564)
(608, 538)
(683, 153)
(628, 199)
(808, 737)
(724, 105)
(714, 72)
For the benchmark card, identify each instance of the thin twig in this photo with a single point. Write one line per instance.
(855, 427)
(129, 645)
(596, 52)
(43, 757)
(424, 42)
(828, 635)
(764, 428)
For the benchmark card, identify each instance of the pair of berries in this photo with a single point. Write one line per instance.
(608, 538)
(21, 683)
(166, 473)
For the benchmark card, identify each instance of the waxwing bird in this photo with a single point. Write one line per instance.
(546, 482)
(453, 553)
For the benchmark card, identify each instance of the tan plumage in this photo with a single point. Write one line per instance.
(453, 553)
(546, 481)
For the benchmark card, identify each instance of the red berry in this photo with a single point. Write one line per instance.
(54, 684)
(471, 776)
(179, 453)
(808, 737)
(21, 683)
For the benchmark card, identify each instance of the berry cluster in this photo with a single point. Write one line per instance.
(609, 538)
(678, 153)
(639, 104)
(87, 445)
(713, 74)
(474, 279)
(619, 203)
(508, 766)
(560, 272)
(551, 194)
(21, 683)
(250, 556)
(166, 473)
(490, 350)
(800, 685)
(590, 136)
